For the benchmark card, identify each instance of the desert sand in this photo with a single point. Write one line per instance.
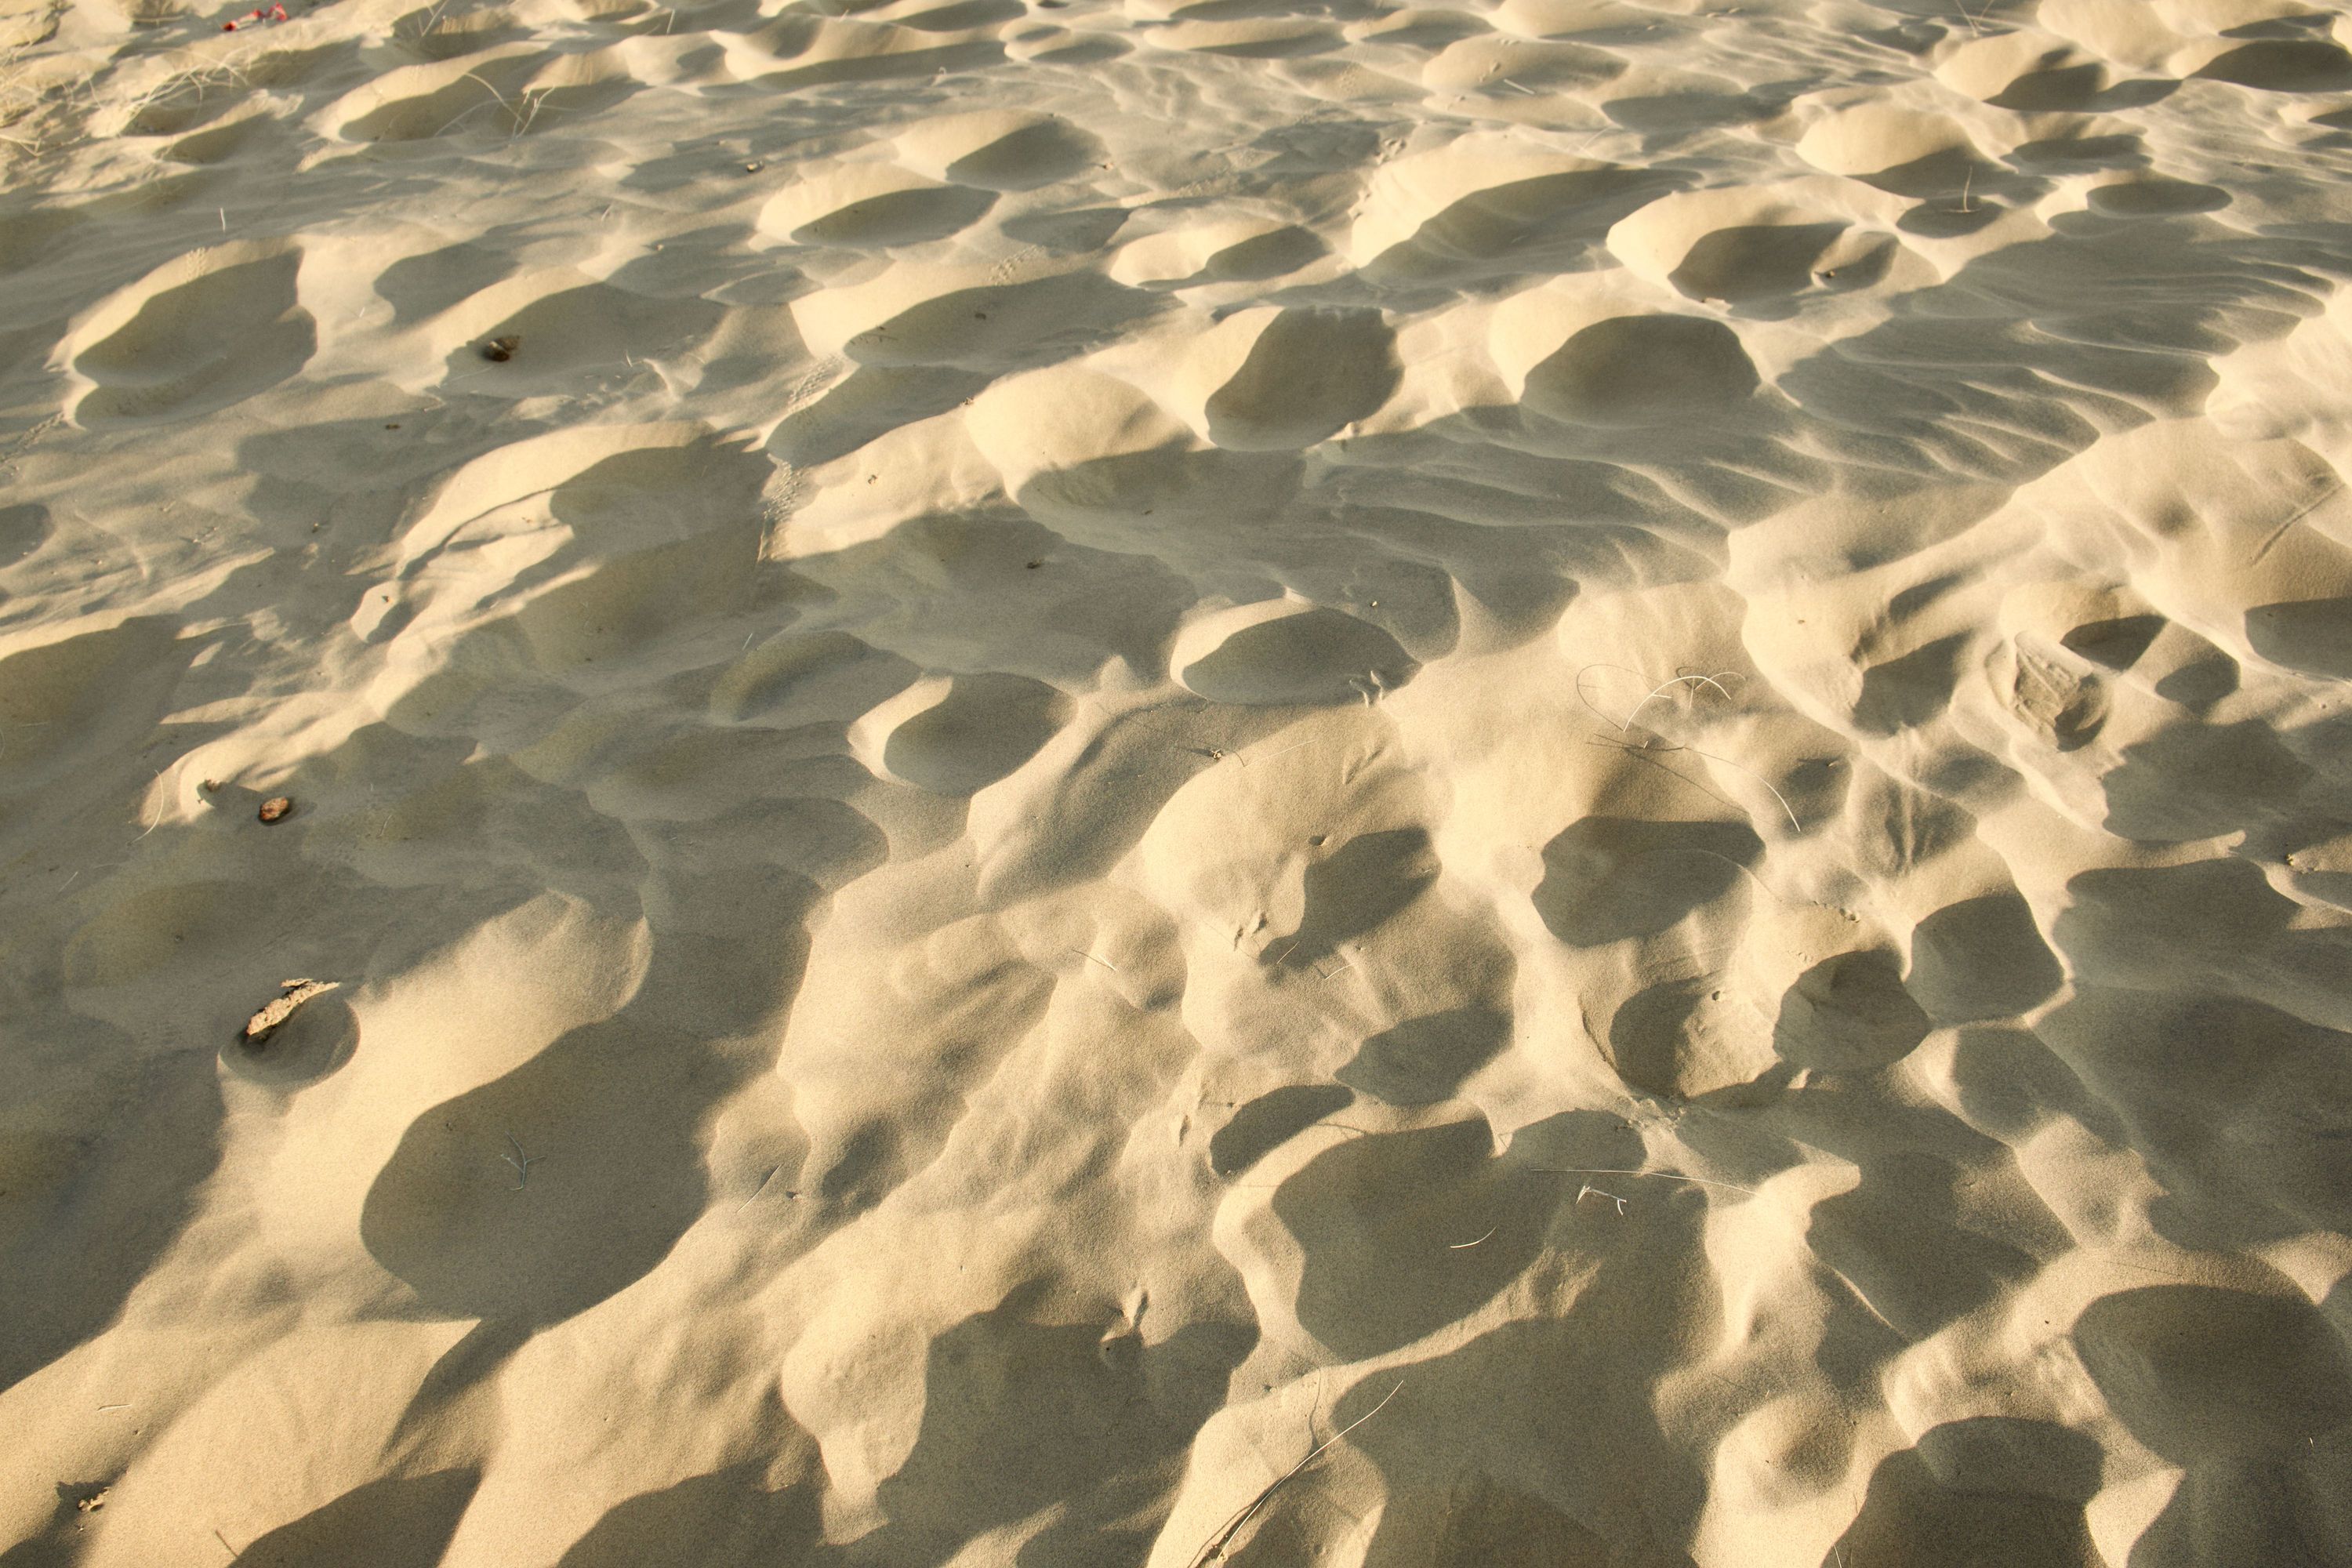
(1096, 784)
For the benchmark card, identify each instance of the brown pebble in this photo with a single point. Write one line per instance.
(277, 808)
(501, 349)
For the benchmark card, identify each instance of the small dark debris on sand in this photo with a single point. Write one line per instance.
(262, 1025)
(501, 349)
(277, 808)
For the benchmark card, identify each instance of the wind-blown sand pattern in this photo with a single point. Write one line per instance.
(1606, 742)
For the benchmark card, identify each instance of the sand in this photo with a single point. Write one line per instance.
(1572, 775)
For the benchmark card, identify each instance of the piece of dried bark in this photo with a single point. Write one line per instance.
(264, 1023)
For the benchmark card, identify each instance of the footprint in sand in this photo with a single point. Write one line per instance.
(23, 529)
(568, 329)
(1379, 1222)
(873, 206)
(1311, 373)
(31, 238)
(1284, 652)
(1453, 218)
(1644, 370)
(1000, 149)
(1424, 1060)
(422, 286)
(957, 735)
(1988, 1478)
(2201, 1374)
(2284, 65)
(198, 334)
(1608, 879)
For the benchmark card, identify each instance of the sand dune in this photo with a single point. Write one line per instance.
(1558, 782)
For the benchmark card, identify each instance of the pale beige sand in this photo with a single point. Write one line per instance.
(1608, 741)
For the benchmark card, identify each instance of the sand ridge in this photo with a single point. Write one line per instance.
(1275, 780)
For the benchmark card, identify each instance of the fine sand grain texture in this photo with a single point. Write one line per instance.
(1112, 784)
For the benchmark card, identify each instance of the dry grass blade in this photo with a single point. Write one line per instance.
(1646, 753)
(1794, 825)
(517, 121)
(2297, 516)
(1665, 686)
(1589, 708)
(1213, 1551)
(1654, 1175)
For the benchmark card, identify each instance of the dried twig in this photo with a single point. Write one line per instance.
(262, 1025)
(1655, 1175)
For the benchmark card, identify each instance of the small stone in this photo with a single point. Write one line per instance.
(497, 351)
(277, 808)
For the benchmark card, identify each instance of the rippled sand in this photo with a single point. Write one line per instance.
(1606, 742)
